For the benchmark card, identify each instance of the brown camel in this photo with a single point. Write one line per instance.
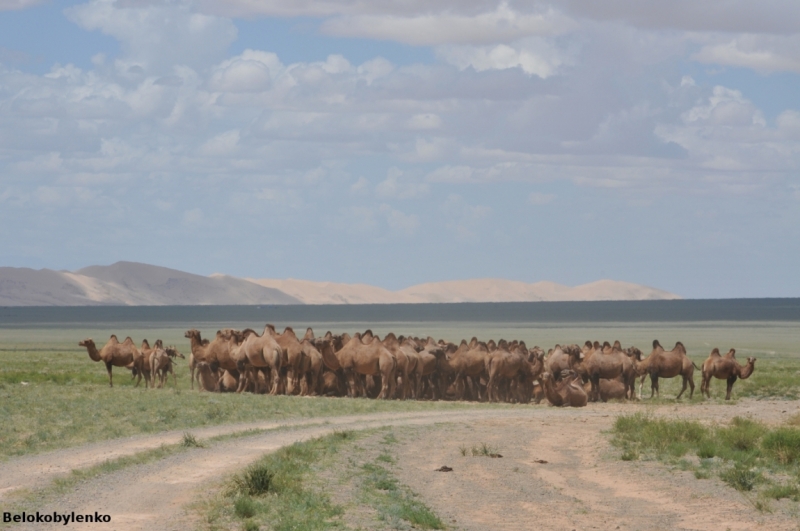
(427, 369)
(567, 392)
(252, 352)
(207, 378)
(464, 365)
(562, 358)
(725, 368)
(161, 361)
(667, 364)
(369, 359)
(610, 389)
(117, 354)
(294, 363)
(216, 352)
(503, 365)
(405, 364)
(609, 362)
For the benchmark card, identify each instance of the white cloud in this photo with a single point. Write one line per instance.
(11, 5)
(399, 187)
(533, 56)
(763, 54)
(158, 37)
(424, 121)
(400, 222)
(252, 71)
(503, 24)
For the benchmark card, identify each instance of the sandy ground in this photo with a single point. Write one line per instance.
(582, 485)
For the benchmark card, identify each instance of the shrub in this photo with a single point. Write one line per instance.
(244, 507)
(741, 477)
(783, 445)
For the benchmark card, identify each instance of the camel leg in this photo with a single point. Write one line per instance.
(685, 383)
(653, 385)
(110, 378)
(731, 381)
(641, 385)
(691, 386)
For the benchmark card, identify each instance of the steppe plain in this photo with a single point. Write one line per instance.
(71, 443)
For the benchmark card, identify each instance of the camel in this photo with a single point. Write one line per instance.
(117, 354)
(503, 365)
(217, 352)
(667, 364)
(609, 389)
(161, 361)
(426, 371)
(607, 363)
(251, 352)
(207, 378)
(725, 368)
(463, 362)
(561, 359)
(406, 363)
(294, 363)
(567, 392)
(371, 359)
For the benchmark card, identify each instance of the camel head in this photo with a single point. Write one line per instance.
(192, 334)
(634, 353)
(88, 342)
(172, 352)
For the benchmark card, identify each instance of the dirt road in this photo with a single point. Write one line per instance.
(580, 487)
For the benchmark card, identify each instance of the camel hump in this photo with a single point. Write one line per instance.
(145, 344)
(656, 344)
(679, 345)
(502, 344)
(617, 345)
(715, 352)
(588, 344)
(597, 345)
(733, 353)
(606, 344)
(159, 343)
(390, 337)
(309, 334)
(463, 343)
(289, 330)
(269, 327)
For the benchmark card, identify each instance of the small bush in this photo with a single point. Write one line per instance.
(741, 477)
(778, 492)
(706, 450)
(742, 435)
(244, 507)
(783, 445)
(250, 525)
(190, 441)
(255, 481)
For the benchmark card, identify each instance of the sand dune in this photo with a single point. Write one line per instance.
(135, 284)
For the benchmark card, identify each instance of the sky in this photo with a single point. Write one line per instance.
(406, 141)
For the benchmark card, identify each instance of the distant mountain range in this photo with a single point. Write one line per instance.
(135, 284)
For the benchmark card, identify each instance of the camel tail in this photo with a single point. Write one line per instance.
(696, 367)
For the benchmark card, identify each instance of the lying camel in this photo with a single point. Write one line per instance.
(567, 392)
(667, 364)
(613, 389)
(725, 368)
(116, 354)
(206, 377)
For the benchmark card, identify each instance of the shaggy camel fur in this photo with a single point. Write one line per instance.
(369, 359)
(725, 368)
(462, 363)
(506, 365)
(667, 364)
(609, 362)
(161, 361)
(614, 389)
(567, 392)
(252, 352)
(216, 352)
(561, 359)
(206, 377)
(117, 354)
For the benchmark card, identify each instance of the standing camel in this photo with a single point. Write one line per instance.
(725, 368)
(117, 354)
(667, 364)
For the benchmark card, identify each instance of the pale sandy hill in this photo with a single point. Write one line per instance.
(310, 292)
(477, 290)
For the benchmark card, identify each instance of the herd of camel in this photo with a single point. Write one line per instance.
(363, 365)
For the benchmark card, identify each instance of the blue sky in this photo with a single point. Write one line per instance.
(395, 143)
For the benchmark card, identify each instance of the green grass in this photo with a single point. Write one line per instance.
(746, 454)
(277, 493)
(67, 402)
(393, 501)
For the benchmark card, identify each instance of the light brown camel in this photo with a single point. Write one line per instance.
(405, 365)
(725, 368)
(161, 361)
(567, 392)
(216, 352)
(613, 389)
(503, 365)
(562, 358)
(464, 365)
(667, 364)
(207, 378)
(116, 354)
(294, 362)
(607, 363)
(252, 352)
(372, 359)
(427, 369)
